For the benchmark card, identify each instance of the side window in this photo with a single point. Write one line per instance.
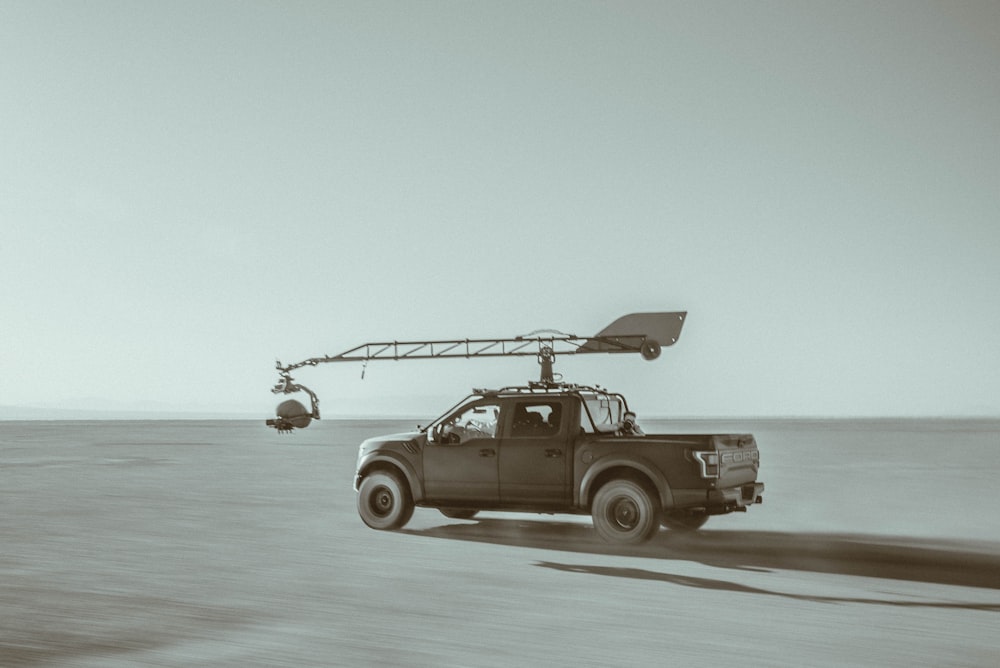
(536, 418)
(474, 422)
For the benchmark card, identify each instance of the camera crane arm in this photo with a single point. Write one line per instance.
(642, 333)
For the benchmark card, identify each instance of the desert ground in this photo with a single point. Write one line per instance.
(226, 544)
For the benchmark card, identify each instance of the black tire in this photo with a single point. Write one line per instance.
(459, 513)
(679, 521)
(384, 501)
(625, 513)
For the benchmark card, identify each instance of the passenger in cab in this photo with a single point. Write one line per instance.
(628, 426)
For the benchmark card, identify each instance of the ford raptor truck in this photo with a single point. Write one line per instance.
(556, 448)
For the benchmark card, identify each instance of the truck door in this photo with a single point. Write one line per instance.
(534, 453)
(460, 463)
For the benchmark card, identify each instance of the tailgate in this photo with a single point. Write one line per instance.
(734, 460)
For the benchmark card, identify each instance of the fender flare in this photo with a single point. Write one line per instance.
(394, 460)
(640, 465)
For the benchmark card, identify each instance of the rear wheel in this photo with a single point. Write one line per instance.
(459, 513)
(384, 501)
(680, 521)
(625, 513)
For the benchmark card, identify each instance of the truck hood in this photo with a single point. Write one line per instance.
(410, 441)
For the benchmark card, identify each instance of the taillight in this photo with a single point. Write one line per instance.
(709, 463)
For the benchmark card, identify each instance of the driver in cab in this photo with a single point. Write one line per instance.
(479, 422)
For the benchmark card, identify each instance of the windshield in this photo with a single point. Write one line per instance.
(449, 413)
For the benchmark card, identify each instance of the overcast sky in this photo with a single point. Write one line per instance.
(192, 190)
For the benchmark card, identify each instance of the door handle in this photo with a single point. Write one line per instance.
(487, 452)
(553, 452)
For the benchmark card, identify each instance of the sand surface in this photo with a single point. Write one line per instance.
(225, 544)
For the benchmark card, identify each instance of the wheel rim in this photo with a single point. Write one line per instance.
(624, 514)
(382, 501)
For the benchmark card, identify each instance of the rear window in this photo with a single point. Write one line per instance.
(536, 418)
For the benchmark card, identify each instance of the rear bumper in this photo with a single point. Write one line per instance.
(720, 501)
(737, 498)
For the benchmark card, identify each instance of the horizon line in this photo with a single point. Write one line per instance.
(83, 415)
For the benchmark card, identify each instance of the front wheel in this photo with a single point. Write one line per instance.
(625, 513)
(384, 501)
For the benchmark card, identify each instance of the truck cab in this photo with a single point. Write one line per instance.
(503, 449)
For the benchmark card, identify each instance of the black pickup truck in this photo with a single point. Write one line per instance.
(556, 448)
